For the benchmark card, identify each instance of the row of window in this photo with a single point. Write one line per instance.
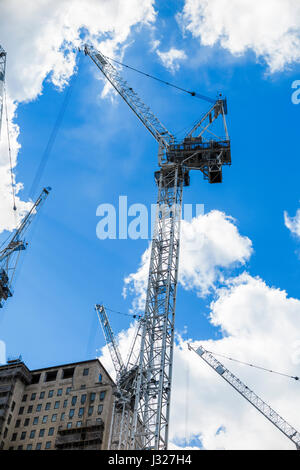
(51, 376)
(83, 397)
(62, 416)
(38, 446)
(41, 433)
(50, 394)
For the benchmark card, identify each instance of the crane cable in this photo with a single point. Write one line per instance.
(9, 152)
(132, 315)
(192, 93)
(252, 365)
(52, 138)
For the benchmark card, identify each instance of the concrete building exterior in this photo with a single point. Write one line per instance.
(62, 407)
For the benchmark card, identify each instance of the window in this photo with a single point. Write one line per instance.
(59, 392)
(42, 432)
(29, 447)
(13, 405)
(45, 418)
(50, 376)
(21, 410)
(23, 435)
(39, 407)
(9, 419)
(85, 371)
(26, 422)
(30, 408)
(65, 404)
(33, 395)
(48, 406)
(92, 397)
(39, 446)
(56, 405)
(83, 399)
(80, 412)
(48, 445)
(91, 409)
(35, 378)
(78, 424)
(54, 418)
(62, 416)
(14, 436)
(68, 373)
(71, 413)
(102, 395)
(18, 423)
(50, 394)
(74, 400)
(100, 378)
(42, 395)
(5, 432)
(24, 398)
(19, 447)
(51, 432)
(69, 425)
(32, 434)
(100, 409)
(82, 387)
(68, 390)
(35, 420)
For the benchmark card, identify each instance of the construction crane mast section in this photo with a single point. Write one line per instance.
(2, 81)
(110, 340)
(145, 388)
(15, 244)
(249, 395)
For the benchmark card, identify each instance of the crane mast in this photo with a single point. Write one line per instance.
(249, 395)
(147, 387)
(2, 81)
(9, 255)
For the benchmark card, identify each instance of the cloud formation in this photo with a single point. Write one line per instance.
(293, 223)
(210, 244)
(271, 29)
(41, 42)
(171, 58)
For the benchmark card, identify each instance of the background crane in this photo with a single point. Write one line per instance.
(9, 255)
(249, 395)
(148, 391)
(2, 81)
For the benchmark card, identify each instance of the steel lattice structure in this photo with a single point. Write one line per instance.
(2, 81)
(9, 255)
(249, 395)
(142, 405)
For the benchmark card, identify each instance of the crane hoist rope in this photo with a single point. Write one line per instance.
(9, 151)
(191, 93)
(254, 366)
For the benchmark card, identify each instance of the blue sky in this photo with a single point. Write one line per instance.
(102, 151)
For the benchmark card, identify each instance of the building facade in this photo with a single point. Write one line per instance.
(62, 407)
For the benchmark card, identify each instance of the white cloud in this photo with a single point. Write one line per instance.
(271, 28)
(293, 223)
(261, 326)
(41, 41)
(210, 243)
(171, 58)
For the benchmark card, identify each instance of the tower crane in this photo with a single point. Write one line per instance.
(148, 391)
(2, 81)
(9, 255)
(249, 395)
